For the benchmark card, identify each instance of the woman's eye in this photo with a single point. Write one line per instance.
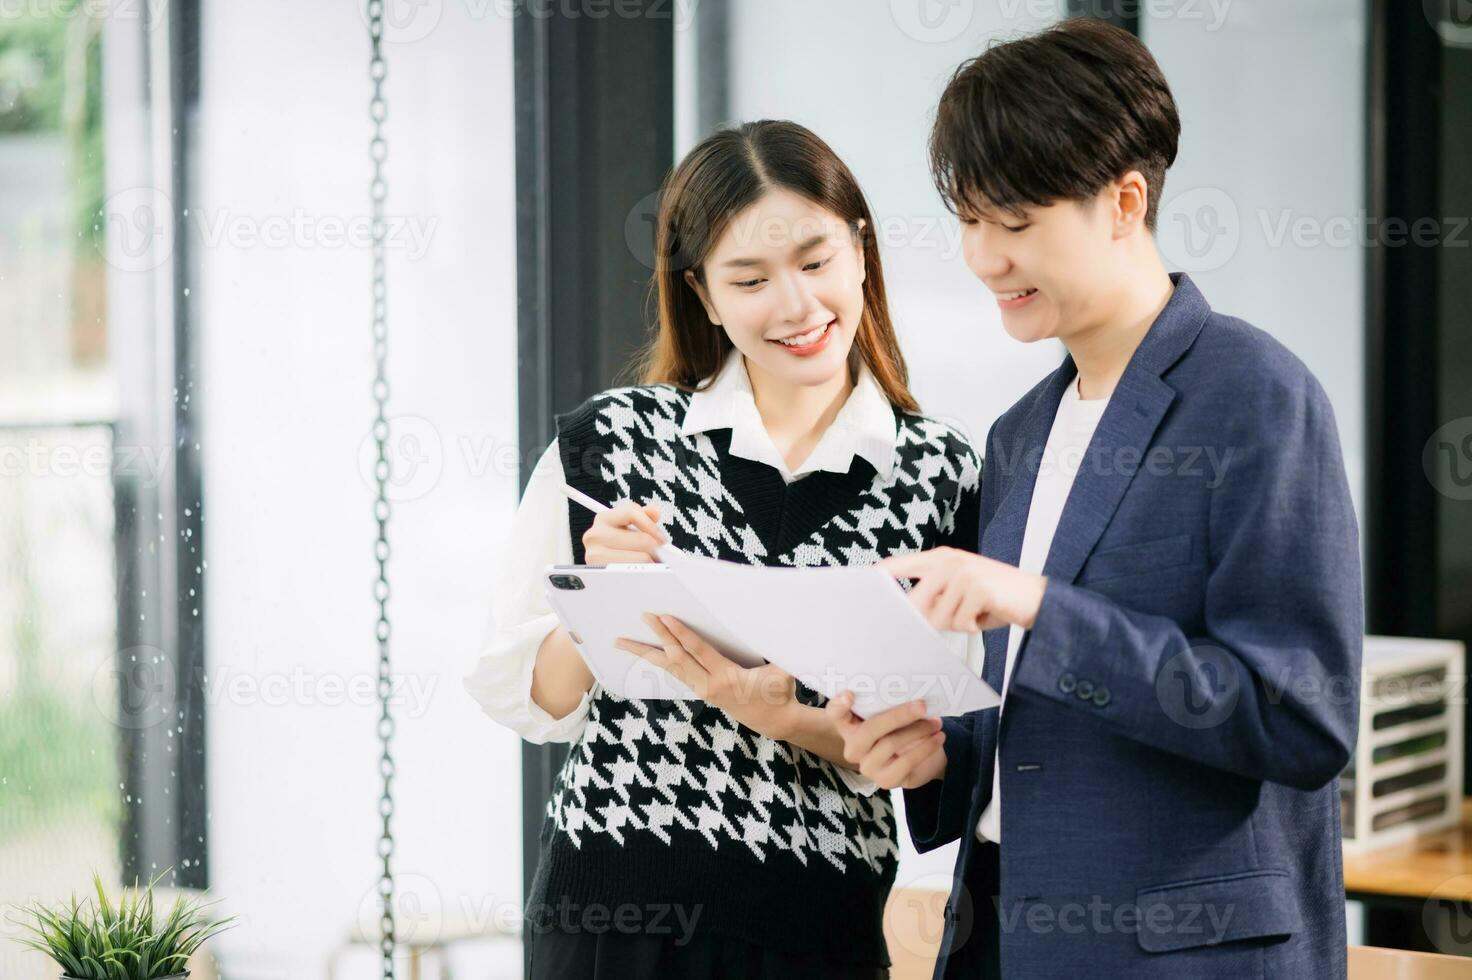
(814, 266)
(1014, 229)
(747, 283)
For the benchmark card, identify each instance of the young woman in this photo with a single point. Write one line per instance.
(726, 836)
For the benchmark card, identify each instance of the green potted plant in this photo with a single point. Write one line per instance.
(124, 942)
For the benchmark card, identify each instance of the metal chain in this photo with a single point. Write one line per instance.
(378, 191)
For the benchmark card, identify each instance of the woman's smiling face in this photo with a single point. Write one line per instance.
(785, 281)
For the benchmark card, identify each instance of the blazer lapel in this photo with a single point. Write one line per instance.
(1136, 409)
(1018, 467)
(1002, 537)
(1117, 451)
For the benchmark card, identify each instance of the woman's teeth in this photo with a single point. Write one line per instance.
(803, 339)
(1008, 297)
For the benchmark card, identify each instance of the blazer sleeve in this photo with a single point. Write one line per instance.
(937, 813)
(1273, 682)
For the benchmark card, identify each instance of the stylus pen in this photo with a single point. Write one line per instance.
(578, 497)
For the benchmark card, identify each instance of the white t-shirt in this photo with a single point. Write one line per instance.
(1073, 429)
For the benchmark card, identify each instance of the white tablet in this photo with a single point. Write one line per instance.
(599, 604)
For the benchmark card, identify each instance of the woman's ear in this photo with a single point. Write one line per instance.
(859, 246)
(695, 284)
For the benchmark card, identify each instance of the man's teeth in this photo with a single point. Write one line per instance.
(1007, 297)
(803, 339)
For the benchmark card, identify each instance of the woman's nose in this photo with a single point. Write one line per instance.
(797, 300)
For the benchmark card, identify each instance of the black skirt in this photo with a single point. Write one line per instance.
(583, 955)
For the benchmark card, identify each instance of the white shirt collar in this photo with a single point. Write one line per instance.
(864, 426)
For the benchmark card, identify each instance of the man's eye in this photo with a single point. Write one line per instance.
(968, 221)
(1014, 229)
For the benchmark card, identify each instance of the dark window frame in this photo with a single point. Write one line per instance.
(581, 289)
(167, 825)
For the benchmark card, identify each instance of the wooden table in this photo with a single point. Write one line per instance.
(1405, 886)
(1436, 865)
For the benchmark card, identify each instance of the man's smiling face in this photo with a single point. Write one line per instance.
(1050, 269)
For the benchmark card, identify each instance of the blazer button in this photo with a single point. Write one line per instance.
(1085, 689)
(1067, 682)
(1101, 696)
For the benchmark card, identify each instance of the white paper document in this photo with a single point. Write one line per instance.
(837, 629)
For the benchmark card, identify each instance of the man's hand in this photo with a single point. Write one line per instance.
(898, 748)
(967, 593)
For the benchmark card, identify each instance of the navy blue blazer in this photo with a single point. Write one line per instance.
(1181, 709)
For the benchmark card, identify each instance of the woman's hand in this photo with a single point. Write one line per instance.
(762, 698)
(611, 539)
(898, 749)
(969, 593)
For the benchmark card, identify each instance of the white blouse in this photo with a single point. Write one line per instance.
(540, 536)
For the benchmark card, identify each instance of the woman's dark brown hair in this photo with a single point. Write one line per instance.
(716, 181)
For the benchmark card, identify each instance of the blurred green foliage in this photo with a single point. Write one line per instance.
(45, 47)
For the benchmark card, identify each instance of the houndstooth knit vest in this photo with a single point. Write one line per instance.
(673, 804)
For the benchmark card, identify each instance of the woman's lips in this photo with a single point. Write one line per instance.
(809, 349)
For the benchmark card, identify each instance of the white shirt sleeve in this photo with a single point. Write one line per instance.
(856, 782)
(520, 616)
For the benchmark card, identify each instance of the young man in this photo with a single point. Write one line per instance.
(1168, 577)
